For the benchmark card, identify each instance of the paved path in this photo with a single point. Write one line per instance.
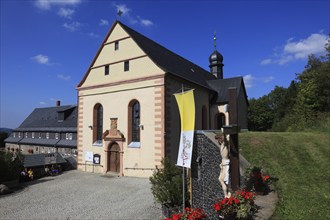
(80, 195)
(266, 205)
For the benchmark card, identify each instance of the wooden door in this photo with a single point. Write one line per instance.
(114, 159)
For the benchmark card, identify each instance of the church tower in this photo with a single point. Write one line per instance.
(215, 60)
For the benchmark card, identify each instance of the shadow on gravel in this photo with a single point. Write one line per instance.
(22, 186)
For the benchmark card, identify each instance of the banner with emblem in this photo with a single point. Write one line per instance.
(186, 104)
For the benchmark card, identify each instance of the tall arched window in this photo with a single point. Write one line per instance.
(204, 118)
(97, 124)
(134, 121)
(220, 120)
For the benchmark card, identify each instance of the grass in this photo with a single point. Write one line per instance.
(301, 162)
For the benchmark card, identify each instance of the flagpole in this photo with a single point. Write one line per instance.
(183, 185)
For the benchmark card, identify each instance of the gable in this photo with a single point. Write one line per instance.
(140, 65)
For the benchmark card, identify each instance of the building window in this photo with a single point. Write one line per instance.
(39, 135)
(68, 136)
(220, 120)
(47, 135)
(126, 66)
(19, 134)
(106, 70)
(116, 45)
(32, 134)
(134, 121)
(204, 118)
(56, 135)
(97, 124)
(26, 134)
(14, 134)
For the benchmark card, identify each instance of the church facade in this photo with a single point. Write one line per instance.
(128, 119)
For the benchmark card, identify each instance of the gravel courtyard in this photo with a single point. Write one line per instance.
(80, 195)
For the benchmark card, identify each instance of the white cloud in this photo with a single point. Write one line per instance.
(63, 77)
(314, 44)
(42, 103)
(268, 79)
(298, 50)
(123, 8)
(73, 26)
(266, 61)
(42, 59)
(92, 34)
(248, 80)
(104, 22)
(47, 4)
(132, 19)
(66, 12)
(145, 22)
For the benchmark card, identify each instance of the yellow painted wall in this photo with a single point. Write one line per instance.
(140, 65)
(115, 105)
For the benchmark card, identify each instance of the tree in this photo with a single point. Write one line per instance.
(260, 114)
(3, 136)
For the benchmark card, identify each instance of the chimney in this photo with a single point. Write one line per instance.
(58, 103)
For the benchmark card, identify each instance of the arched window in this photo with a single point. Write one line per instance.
(97, 124)
(134, 121)
(220, 120)
(204, 118)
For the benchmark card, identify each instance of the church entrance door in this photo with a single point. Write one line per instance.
(114, 158)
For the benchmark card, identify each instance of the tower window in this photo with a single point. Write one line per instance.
(126, 66)
(116, 45)
(106, 70)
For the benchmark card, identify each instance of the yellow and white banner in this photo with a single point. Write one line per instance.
(186, 104)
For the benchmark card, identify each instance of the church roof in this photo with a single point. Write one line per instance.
(221, 86)
(47, 119)
(169, 61)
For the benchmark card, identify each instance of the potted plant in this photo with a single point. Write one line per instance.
(239, 206)
(189, 214)
(257, 181)
(166, 186)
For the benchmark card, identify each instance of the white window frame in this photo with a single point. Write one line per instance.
(47, 135)
(68, 136)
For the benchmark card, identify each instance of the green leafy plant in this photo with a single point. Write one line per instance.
(238, 206)
(166, 184)
(190, 214)
(257, 181)
(10, 165)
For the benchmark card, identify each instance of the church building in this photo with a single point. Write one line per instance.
(128, 119)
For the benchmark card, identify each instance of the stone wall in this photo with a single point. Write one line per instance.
(205, 171)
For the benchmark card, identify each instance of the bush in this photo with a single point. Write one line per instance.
(166, 184)
(10, 165)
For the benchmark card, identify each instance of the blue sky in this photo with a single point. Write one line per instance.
(47, 46)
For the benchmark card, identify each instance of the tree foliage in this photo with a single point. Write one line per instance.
(10, 165)
(3, 136)
(299, 106)
(166, 184)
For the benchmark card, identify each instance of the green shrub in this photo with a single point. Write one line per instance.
(166, 184)
(10, 165)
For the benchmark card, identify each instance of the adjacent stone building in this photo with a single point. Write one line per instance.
(45, 131)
